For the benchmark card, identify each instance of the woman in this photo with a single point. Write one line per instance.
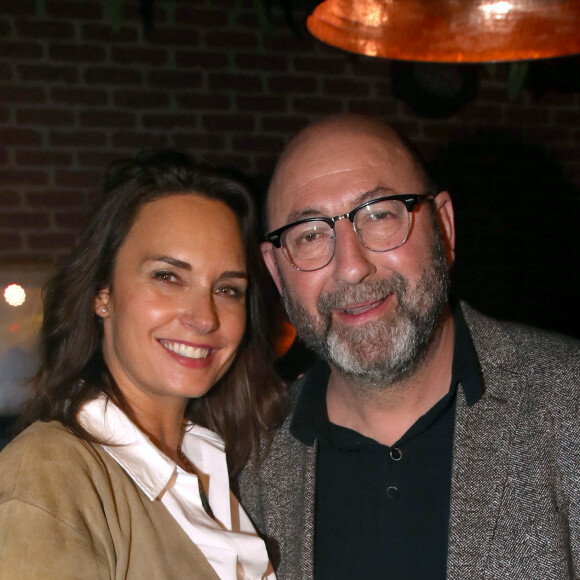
(153, 351)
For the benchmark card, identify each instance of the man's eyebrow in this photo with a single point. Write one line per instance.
(308, 212)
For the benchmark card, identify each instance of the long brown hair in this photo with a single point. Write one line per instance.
(248, 401)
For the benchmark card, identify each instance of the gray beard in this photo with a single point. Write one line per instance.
(387, 351)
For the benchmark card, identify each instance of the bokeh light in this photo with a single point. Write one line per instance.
(15, 295)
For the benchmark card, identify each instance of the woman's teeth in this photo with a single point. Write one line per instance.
(185, 350)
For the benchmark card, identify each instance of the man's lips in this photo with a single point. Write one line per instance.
(186, 350)
(361, 308)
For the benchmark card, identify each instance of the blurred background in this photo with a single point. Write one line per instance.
(230, 81)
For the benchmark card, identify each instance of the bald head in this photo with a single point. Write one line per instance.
(328, 146)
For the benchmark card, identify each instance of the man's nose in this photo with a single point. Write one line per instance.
(199, 313)
(351, 263)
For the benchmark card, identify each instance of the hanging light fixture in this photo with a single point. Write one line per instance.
(452, 31)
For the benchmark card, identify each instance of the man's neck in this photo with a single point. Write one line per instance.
(385, 414)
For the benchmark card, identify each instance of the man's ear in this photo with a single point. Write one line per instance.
(270, 260)
(101, 303)
(446, 220)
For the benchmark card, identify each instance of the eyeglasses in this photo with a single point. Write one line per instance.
(381, 225)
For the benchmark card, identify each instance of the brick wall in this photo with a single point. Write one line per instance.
(74, 94)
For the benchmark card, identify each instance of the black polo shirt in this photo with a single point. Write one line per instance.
(383, 512)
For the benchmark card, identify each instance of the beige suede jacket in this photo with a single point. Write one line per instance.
(68, 510)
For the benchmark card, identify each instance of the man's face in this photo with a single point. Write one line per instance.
(371, 314)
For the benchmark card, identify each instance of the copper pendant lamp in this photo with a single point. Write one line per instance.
(453, 31)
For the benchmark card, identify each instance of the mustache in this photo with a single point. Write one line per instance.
(372, 290)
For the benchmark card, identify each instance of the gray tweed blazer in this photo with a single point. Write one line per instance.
(515, 492)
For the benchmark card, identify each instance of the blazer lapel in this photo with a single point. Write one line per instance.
(481, 455)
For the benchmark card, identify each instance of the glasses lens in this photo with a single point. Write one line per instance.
(309, 245)
(382, 225)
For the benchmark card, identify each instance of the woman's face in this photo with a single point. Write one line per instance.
(175, 311)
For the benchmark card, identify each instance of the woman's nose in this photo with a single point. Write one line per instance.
(351, 262)
(200, 314)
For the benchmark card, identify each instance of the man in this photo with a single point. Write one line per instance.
(428, 442)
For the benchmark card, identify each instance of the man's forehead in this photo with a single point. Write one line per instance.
(334, 170)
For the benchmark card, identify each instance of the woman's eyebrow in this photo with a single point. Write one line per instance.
(169, 260)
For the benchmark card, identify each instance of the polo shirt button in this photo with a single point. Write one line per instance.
(396, 454)
(392, 491)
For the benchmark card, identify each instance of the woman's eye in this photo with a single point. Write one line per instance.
(231, 292)
(165, 276)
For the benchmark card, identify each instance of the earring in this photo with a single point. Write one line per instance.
(103, 309)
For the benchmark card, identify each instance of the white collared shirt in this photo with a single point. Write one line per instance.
(229, 542)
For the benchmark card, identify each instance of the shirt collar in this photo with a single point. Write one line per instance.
(132, 449)
(310, 416)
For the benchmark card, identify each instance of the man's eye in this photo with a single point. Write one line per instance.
(311, 237)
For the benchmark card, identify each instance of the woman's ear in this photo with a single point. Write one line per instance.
(101, 303)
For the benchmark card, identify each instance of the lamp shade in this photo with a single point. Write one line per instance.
(452, 31)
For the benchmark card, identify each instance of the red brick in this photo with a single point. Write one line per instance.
(43, 158)
(18, 8)
(141, 99)
(9, 199)
(105, 34)
(235, 82)
(202, 17)
(169, 121)
(139, 55)
(70, 178)
(6, 73)
(48, 73)
(77, 138)
(81, 53)
(53, 241)
(107, 118)
(52, 117)
(322, 66)
(203, 60)
(261, 62)
(230, 122)
(240, 162)
(261, 103)
(231, 39)
(13, 136)
(21, 50)
(345, 87)
(174, 36)
(265, 164)
(56, 199)
(379, 108)
(285, 124)
(316, 105)
(24, 177)
(370, 67)
(10, 242)
(95, 158)
(198, 143)
(74, 96)
(10, 220)
(258, 144)
(201, 102)
(112, 76)
(44, 29)
(136, 141)
(292, 85)
(74, 220)
(174, 79)
(74, 10)
(287, 43)
(20, 95)
(567, 118)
